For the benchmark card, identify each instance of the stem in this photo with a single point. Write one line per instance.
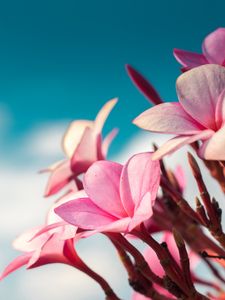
(144, 269)
(212, 207)
(201, 212)
(110, 295)
(214, 270)
(206, 283)
(125, 259)
(216, 170)
(184, 259)
(168, 264)
(205, 254)
(138, 257)
(136, 280)
(154, 295)
(179, 200)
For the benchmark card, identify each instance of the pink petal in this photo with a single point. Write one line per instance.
(52, 218)
(84, 213)
(50, 252)
(116, 226)
(143, 212)
(169, 239)
(180, 141)
(189, 59)
(16, 264)
(108, 140)
(51, 167)
(59, 177)
(73, 135)
(198, 91)
(48, 230)
(137, 296)
(69, 232)
(119, 225)
(101, 183)
(214, 45)
(167, 118)
(180, 177)
(140, 175)
(86, 152)
(214, 148)
(143, 85)
(194, 258)
(103, 115)
(24, 243)
(65, 230)
(153, 261)
(220, 110)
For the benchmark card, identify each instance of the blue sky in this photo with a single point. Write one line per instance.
(62, 60)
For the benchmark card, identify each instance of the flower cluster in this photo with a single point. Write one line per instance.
(144, 197)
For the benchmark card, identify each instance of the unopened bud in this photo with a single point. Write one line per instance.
(178, 238)
(194, 165)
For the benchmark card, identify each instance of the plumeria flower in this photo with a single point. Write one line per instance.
(118, 198)
(154, 263)
(213, 49)
(199, 115)
(45, 250)
(82, 145)
(51, 243)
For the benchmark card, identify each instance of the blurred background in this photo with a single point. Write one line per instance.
(62, 60)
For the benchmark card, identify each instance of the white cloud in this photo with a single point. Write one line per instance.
(44, 140)
(21, 204)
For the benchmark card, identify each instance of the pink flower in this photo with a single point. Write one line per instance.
(53, 250)
(213, 49)
(154, 263)
(199, 115)
(83, 145)
(45, 249)
(51, 243)
(118, 197)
